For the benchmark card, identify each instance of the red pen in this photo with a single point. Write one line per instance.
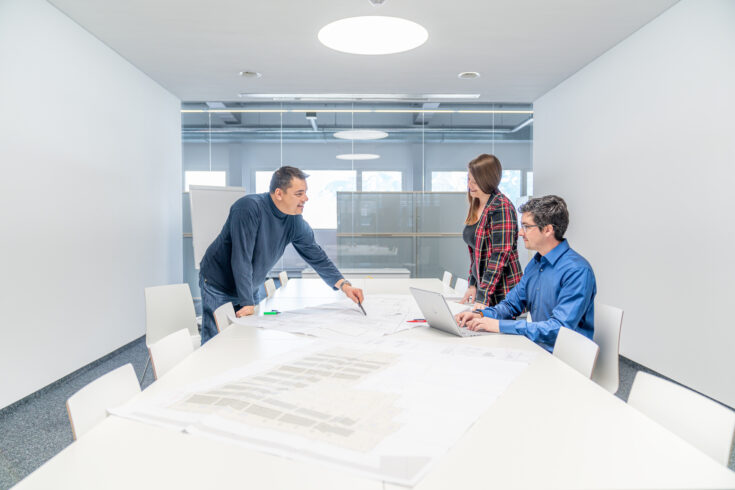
(416, 320)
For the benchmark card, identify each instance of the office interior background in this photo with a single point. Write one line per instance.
(402, 207)
(633, 127)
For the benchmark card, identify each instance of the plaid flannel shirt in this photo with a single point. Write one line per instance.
(494, 260)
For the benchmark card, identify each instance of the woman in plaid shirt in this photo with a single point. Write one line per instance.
(491, 234)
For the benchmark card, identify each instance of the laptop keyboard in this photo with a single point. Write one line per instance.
(465, 332)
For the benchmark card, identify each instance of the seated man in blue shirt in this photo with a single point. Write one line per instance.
(557, 288)
(253, 239)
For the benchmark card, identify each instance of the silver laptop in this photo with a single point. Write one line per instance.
(438, 315)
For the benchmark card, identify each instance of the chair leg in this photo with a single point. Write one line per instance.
(144, 370)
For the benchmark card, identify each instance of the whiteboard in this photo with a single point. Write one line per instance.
(210, 207)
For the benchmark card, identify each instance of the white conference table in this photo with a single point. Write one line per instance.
(363, 272)
(552, 428)
(311, 292)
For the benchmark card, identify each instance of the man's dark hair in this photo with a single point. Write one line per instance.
(548, 210)
(283, 176)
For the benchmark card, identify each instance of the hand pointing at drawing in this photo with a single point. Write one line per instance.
(355, 294)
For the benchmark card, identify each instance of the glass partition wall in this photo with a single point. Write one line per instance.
(387, 184)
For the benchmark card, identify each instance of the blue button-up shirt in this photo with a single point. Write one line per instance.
(558, 289)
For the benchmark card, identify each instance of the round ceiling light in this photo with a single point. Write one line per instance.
(250, 74)
(361, 134)
(468, 75)
(358, 156)
(373, 34)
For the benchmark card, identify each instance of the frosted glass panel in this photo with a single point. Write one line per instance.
(375, 212)
(441, 212)
(388, 230)
(376, 253)
(439, 254)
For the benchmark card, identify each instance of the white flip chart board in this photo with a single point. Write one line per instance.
(210, 207)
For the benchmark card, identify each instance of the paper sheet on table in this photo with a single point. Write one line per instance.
(387, 409)
(343, 320)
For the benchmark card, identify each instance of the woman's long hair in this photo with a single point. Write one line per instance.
(487, 172)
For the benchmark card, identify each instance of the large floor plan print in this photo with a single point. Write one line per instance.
(314, 396)
(372, 408)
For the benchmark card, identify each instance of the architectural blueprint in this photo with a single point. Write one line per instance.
(372, 408)
(342, 320)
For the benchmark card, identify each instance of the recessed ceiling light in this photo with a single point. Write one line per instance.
(358, 156)
(359, 97)
(361, 134)
(373, 34)
(468, 75)
(250, 74)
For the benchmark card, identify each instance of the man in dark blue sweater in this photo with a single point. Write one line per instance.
(251, 242)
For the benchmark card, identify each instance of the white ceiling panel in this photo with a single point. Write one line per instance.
(522, 48)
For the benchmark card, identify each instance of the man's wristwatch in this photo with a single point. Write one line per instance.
(345, 282)
(479, 311)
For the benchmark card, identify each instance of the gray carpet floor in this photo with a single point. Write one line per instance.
(33, 430)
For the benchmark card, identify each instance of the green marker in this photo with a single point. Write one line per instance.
(271, 312)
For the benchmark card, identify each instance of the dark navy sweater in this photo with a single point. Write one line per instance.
(252, 241)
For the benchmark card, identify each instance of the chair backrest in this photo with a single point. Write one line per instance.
(576, 350)
(283, 277)
(703, 422)
(461, 285)
(270, 287)
(447, 279)
(222, 314)
(169, 351)
(168, 309)
(608, 323)
(88, 406)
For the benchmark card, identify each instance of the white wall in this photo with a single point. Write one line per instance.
(90, 206)
(641, 144)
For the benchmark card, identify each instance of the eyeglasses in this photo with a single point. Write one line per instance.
(526, 227)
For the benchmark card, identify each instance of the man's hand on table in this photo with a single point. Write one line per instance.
(245, 311)
(469, 295)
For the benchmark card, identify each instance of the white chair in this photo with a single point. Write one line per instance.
(576, 350)
(447, 279)
(88, 406)
(283, 277)
(460, 286)
(222, 314)
(608, 323)
(168, 309)
(270, 287)
(169, 351)
(702, 422)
